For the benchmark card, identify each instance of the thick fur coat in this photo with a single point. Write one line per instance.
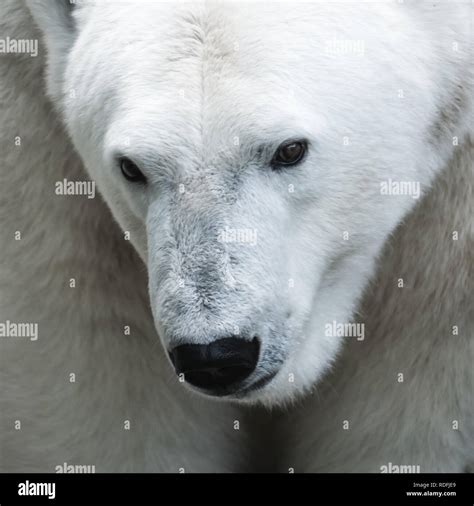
(89, 392)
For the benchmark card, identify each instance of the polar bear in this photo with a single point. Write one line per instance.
(296, 182)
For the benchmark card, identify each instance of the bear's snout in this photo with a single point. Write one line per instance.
(218, 368)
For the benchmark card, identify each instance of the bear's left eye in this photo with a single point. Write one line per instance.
(289, 153)
(131, 172)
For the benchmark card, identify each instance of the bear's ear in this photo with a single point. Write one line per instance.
(55, 20)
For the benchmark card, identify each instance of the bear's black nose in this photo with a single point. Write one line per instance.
(217, 366)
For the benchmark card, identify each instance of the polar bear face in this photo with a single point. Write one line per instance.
(245, 147)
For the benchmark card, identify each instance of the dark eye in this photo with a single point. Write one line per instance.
(131, 172)
(289, 153)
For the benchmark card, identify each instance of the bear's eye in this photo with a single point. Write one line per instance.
(131, 172)
(289, 153)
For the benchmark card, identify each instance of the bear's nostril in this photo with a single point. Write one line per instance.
(210, 378)
(218, 365)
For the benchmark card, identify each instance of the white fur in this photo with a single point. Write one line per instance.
(173, 86)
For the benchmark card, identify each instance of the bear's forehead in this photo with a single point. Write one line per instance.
(199, 71)
(244, 36)
(201, 65)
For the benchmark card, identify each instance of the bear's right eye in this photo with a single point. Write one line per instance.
(131, 172)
